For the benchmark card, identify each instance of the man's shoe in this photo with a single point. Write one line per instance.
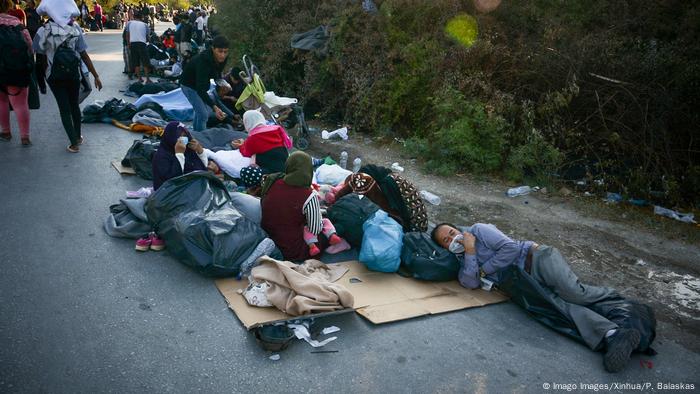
(26, 142)
(620, 346)
(143, 244)
(5, 136)
(157, 243)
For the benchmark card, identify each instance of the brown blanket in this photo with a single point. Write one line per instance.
(303, 289)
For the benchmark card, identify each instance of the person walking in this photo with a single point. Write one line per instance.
(16, 67)
(98, 14)
(195, 81)
(63, 47)
(137, 33)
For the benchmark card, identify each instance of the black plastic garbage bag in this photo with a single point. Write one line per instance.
(201, 228)
(422, 258)
(112, 109)
(140, 157)
(529, 294)
(127, 219)
(348, 214)
(312, 40)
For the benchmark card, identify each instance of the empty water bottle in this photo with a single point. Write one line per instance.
(356, 164)
(430, 197)
(343, 160)
(518, 191)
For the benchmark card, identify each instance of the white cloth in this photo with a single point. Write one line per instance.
(138, 31)
(230, 161)
(61, 11)
(252, 119)
(200, 23)
(273, 100)
(331, 174)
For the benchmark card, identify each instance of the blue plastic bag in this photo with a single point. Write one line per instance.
(382, 242)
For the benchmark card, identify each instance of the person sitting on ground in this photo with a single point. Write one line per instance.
(267, 145)
(487, 253)
(178, 154)
(137, 33)
(195, 81)
(217, 94)
(237, 86)
(291, 212)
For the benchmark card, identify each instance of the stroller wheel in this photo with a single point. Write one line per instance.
(302, 143)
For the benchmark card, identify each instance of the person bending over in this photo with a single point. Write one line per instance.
(486, 253)
(195, 81)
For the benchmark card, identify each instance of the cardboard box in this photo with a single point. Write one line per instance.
(379, 297)
(117, 164)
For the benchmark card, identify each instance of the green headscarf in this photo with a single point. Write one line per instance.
(298, 171)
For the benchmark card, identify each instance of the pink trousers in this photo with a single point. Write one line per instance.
(18, 98)
(328, 230)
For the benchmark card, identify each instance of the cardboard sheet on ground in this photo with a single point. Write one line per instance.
(121, 169)
(379, 297)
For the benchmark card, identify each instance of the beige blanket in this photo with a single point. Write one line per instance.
(303, 289)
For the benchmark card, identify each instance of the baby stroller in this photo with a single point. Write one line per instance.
(284, 111)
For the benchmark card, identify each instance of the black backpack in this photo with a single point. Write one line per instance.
(66, 65)
(140, 157)
(16, 65)
(422, 258)
(348, 214)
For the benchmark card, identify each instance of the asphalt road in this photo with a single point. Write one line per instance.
(81, 312)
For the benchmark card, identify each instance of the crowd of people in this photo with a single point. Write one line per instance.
(55, 52)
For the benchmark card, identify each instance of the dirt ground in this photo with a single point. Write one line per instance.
(644, 256)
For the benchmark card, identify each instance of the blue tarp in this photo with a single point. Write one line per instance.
(174, 103)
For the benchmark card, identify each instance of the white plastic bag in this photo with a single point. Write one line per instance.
(331, 174)
(61, 11)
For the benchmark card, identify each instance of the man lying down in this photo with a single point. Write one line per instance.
(485, 252)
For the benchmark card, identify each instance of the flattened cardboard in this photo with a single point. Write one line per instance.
(379, 297)
(121, 169)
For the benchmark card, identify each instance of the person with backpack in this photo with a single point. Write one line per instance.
(487, 253)
(16, 67)
(62, 48)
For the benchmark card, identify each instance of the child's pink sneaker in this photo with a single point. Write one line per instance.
(314, 250)
(334, 239)
(157, 243)
(143, 244)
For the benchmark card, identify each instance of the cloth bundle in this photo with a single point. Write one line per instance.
(302, 289)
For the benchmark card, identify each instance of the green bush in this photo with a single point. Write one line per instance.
(561, 90)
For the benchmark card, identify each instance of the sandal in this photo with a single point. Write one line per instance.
(81, 140)
(73, 148)
(5, 136)
(26, 141)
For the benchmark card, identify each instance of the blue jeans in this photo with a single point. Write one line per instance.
(201, 110)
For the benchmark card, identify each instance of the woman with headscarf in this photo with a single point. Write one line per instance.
(291, 212)
(267, 145)
(178, 154)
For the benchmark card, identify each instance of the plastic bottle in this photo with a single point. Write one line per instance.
(429, 197)
(343, 160)
(396, 167)
(356, 164)
(518, 191)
